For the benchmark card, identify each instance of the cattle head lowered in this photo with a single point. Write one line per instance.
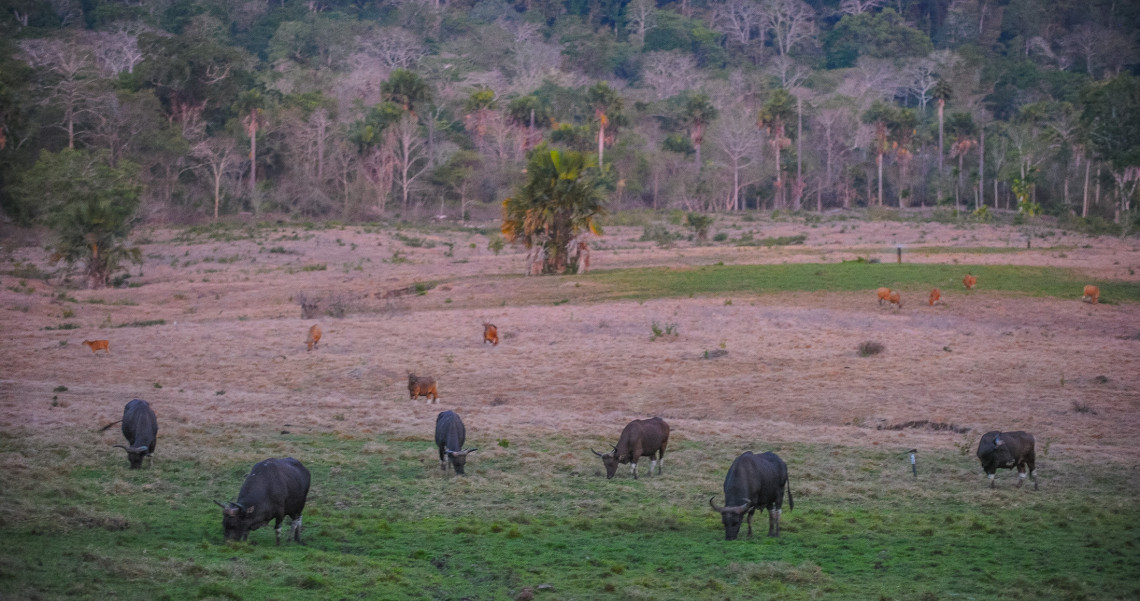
(273, 489)
(753, 482)
(1008, 450)
(450, 434)
(140, 428)
(640, 438)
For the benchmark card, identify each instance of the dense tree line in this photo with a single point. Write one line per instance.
(359, 109)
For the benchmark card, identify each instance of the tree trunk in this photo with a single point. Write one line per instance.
(941, 106)
(879, 164)
(601, 144)
(253, 159)
(981, 167)
(799, 153)
(1085, 208)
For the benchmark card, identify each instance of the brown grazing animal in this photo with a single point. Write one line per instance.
(969, 281)
(895, 300)
(314, 336)
(884, 294)
(490, 334)
(422, 386)
(1092, 294)
(935, 296)
(96, 345)
(640, 438)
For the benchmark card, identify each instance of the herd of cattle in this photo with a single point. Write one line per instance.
(276, 488)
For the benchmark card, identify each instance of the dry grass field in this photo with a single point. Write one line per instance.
(578, 358)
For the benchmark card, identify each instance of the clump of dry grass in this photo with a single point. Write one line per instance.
(870, 347)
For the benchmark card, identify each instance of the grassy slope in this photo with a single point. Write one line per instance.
(852, 276)
(383, 523)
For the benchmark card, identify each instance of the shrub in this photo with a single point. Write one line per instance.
(870, 348)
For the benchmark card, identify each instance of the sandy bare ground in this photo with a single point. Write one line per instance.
(232, 349)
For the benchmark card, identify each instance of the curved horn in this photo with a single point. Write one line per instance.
(615, 449)
(119, 446)
(465, 451)
(596, 453)
(713, 505)
(448, 451)
(219, 504)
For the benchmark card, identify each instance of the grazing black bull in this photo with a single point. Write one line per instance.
(754, 482)
(274, 488)
(140, 428)
(449, 437)
(640, 438)
(1009, 450)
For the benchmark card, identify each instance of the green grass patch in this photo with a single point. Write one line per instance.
(63, 326)
(659, 282)
(142, 324)
(383, 522)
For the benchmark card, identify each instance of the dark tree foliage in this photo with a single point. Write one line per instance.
(878, 35)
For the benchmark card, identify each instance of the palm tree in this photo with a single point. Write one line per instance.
(406, 89)
(698, 113)
(774, 116)
(559, 201)
(608, 106)
(941, 93)
(880, 115)
(963, 130)
(250, 105)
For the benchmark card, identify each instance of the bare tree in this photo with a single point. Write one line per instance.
(1084, 43)
(739, 144)
(920, 79)
(791, 73)
(838, 125)
(220, 158)
(67, 81)
(641, 16)
(790, 21)
(739, 20)
(858, 7)
(873, 79)
(115, 51)
(670, 73)
(409, 152)
(394, 47)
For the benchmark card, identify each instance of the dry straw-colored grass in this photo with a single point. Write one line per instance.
(231, 354)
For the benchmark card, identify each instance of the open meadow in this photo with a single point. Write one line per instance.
(745, 343)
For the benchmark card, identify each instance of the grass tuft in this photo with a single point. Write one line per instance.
(870, 347)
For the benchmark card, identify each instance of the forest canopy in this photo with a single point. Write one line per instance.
(365, 109)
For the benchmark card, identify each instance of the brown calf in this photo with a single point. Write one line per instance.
(490, 334)
(422, 386)
(1092, 294)
(96, 345)
(314, 336)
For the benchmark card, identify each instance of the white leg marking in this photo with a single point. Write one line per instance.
(652, 466)
(1021, 475)
(991, 476)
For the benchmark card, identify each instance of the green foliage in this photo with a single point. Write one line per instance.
(1112, 115)
(89, 206)
(700, 224)
(559, 201)
(878, 35)
(407, 89)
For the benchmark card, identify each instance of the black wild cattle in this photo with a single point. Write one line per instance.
(140, 428)
(1008, 450)
(274, 488)
(449, 437)
(640, 438)
(754, 482)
